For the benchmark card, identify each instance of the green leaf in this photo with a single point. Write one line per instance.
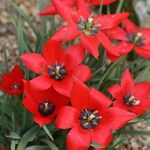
(96, 145)
(37, 147)
(51, 145)
(13, 144)
(27, 19)
(21, 43)
(14, 135)
(5, 123)
(29, 136)
(136, 132)
(48, 133)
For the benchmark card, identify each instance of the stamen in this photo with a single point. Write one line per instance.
(88, 26)
(135, 38)
(130, 100)
(57, 71)
(46, 108)
(89, 119)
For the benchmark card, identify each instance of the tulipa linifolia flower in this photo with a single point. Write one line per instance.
(57, 68)
(90, 118)
(131, 96)
(12, 83)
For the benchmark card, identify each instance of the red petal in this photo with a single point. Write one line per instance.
(79, 95)
(83, 73)
(74, 56)
(41, 83)
(110, 21)
(83, 8)
(31, 105)
(42, 120)
(77, 140)
(17, 73)
(145, 37)
(130, 26)
(124, 47)
(115, 90)
(145, 53)
(65, 118)
(127, 82)
(91, 43)
(104, 2)
(116, 118)
(98, 100)
(34, 62)
(101, 136)
(64, 87)
(142, 90)
(50, 10)
(111, 57)
(66, 33)
(53, 52)
(117, 33)
(64, 11)
(104, 40)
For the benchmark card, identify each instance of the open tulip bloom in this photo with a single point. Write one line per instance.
(56, 67)
(44, 105)
(50, 10)
(91, 118)
(131, 96)
(12, 83)
(88, 28)
(134, 37)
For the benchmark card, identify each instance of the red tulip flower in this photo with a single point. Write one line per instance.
(12, 83)
(56, 67)
(44, 105)
(50, 10)
(90, 118)
(131, 96)
(136, 38)
(89, 29)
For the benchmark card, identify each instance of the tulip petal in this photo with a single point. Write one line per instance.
(65, 118)
(34, 62)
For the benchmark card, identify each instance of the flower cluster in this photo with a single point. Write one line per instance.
(58, 93)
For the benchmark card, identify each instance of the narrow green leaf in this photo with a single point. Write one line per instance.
(48, 133)
(37, 147)
(13, 144)
(29, 136)
(51, 145)
(96, 145)
(136, 132)
(14, 135)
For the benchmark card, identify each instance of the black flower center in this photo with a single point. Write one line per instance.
(89, 119)
(57, 71)
(46, 108)
(87, 26)
(130, 100)
(16, 86)
(135, 38)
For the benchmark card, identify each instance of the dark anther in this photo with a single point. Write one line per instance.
(130, 100)
(89, 119)
(135, 38)
(87, 26)
(57, 71)
(46, 108)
